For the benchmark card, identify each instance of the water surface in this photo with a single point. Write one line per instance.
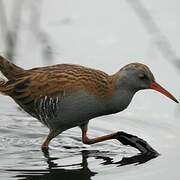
(98, 34)
(21, 158)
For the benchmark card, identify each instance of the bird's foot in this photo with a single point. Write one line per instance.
(45, 150)
(136, 142)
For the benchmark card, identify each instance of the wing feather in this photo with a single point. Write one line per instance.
(54, 80)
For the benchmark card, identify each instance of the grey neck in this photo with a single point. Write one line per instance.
(120, 100)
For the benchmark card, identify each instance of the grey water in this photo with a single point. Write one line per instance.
(21, 157)
(104, 35)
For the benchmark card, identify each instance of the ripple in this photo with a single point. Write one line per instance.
(21, 158)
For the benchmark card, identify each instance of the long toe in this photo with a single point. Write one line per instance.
(136, 142)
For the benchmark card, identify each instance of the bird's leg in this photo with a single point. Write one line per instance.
(53, 133)
(124, 138)
(87, 140)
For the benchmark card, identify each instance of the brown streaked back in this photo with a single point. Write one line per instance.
(52, 80)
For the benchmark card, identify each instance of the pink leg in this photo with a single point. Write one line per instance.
(53, 133)
(124, 138)
(86, 140)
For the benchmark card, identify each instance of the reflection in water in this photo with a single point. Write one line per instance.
(80, 170)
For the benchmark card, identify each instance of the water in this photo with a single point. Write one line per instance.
(98, 34)
(21, 157)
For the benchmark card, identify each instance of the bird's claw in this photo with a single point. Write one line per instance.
(136, 142)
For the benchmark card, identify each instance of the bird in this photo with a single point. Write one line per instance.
(64, 96)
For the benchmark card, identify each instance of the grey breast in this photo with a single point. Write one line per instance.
(68, 110)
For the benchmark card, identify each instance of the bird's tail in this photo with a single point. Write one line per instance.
(3, 86)
(8, 69)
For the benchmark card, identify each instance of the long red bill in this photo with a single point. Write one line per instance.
(160, 89)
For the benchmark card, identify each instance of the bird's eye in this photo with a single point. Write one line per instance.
(142, 76)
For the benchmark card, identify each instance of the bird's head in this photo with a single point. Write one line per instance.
(137, 76)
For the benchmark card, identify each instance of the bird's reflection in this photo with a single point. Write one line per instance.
(81, 170)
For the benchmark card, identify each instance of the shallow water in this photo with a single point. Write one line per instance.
(21, 157)
(106, 40)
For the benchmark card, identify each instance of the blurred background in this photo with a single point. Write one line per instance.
(101, 34)
(105, 35)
